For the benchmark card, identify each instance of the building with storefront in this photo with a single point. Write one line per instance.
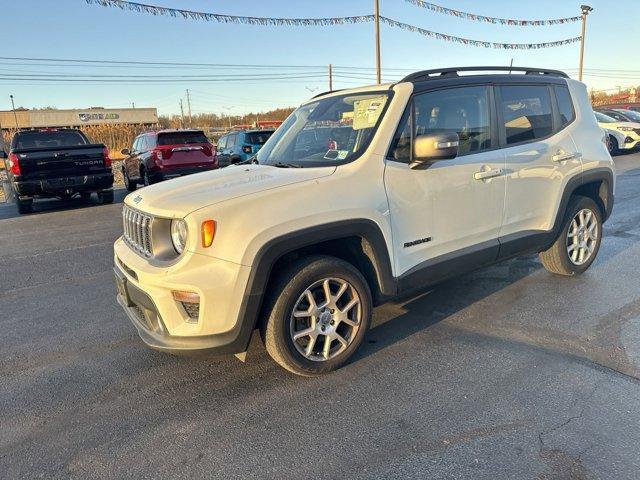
(9, 120)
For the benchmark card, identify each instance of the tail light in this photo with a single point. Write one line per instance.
(106, 158)
(157, 157)
(246, 149)
(14, 164)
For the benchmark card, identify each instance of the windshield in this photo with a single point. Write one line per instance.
(602, 118)
(258, 138)
(635, 116)
(328, 132)
(177, 138)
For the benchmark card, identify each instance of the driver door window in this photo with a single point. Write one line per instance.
(464, 111)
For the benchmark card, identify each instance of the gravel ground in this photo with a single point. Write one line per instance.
(506, 373)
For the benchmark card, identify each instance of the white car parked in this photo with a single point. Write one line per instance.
(630, 131)
(359, 196)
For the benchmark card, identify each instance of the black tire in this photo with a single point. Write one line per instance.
(128, 184)
(85, 196)
(285, 295)
(612, 145)
(148, 179)
(557, 259)
(105, 197)
(24, 206)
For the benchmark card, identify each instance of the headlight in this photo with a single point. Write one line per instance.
(179, 234)
(625, 129)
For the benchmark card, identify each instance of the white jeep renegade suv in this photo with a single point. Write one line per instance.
(361, 195)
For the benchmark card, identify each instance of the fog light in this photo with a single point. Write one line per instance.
(190, 301)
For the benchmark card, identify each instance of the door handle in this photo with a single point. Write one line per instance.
(563, 157)
(485, 174)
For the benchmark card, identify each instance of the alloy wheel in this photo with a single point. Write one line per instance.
(582, 236)
(325, 319)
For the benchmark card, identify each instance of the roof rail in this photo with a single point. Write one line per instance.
(453, 72)
(327, 93)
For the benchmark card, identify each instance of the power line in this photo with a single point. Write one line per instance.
(135, 62)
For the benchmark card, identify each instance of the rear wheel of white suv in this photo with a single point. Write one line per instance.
(319, 313)
(578, 243)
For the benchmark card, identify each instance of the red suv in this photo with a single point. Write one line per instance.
(157, 156)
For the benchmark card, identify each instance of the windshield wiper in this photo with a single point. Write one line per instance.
(287, 165)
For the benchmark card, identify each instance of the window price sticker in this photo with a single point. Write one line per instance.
(366, 112)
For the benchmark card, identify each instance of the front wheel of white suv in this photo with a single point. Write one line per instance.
(578, 243)
(319, 313)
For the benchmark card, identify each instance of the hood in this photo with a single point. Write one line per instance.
(181, 196)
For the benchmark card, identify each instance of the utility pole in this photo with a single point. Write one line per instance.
(189, 107)
(376, 14)
(585, 11)
(181, 115)
(133, 105)
(330, 78)
(13, 107)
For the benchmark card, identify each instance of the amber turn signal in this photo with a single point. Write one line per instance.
(208, 232)
(189, 297)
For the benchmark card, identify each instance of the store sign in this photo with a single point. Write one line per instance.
(87, 117)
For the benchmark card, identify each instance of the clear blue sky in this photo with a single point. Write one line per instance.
(73, 29)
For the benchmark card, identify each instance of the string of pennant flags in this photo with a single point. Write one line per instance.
(236, 19)
(477, 43)
(499, 21)
(328, 21)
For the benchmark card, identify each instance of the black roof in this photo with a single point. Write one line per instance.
(441, 73)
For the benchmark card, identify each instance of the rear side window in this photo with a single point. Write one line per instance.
(151, 141)
(526, 113)
(53, 139)
(179, 138)
(257, 138)
(565, 105)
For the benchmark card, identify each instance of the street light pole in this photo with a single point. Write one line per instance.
(376, 14)
(585, 11)
(13, 107)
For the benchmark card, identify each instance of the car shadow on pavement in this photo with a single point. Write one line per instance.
(9, 210)
(423, 309)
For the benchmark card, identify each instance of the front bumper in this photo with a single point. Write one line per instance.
(58, 186)
(144, 292)
(631, 143)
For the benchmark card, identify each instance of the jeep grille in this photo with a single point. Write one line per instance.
(137, 230)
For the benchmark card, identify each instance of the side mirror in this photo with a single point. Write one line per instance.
(428, 149)
(125, 151)
(3, 155)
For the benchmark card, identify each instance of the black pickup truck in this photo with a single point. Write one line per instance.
(57, 163)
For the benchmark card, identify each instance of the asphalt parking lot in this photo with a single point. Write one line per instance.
(509, 372)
